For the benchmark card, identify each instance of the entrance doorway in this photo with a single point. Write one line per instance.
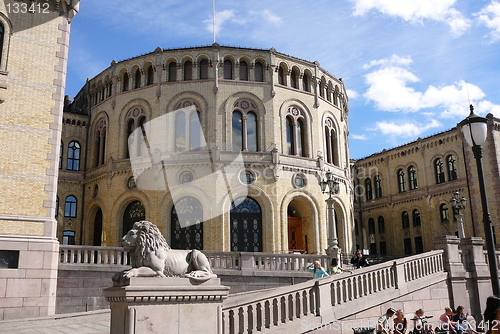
(295, 237)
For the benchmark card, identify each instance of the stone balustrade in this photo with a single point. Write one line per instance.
(93, 255)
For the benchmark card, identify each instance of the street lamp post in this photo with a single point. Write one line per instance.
(458, 204)
(331, 186)
(474, 129)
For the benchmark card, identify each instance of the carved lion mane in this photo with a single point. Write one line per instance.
(151, 255)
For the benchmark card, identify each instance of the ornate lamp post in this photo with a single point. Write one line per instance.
(458, 204)
(331, 186)
(474, 129)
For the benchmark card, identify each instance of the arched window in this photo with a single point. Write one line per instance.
(439, 170)
(187, 224)
(281, 75)
(443, 213)
(194, 131)
(68, 237)
(378, 186)
(137, 78)
(306, 82)
(180, 132)
(73, 162)
(381, 224)
(251, 125)
(61, 151)
(70, 207)
(98, 228)
(412, 178)
(172, 71)
(259, 72)
(188, 70)
(2, 34)
(150, 75)
(331, 143)
(246, 225)
(100, 147)
(136, 118)
(56, 214)
(204, 69)
(401, 180)
(368, 189)
(294, 78)
(244, 126)
(371, 226)
(416, 218)
(134, 212)
(295, 125)
(243, 70)
(110, 88)
(228, 69)
(452, 168)
(125, 82)
(188, 132)
(322, 87)
(405, 219)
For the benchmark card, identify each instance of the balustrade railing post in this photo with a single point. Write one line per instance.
(399, 268)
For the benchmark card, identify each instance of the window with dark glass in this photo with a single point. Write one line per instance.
(294, 78)
(70, 207)
(306, 83)
(373, 248)
(378, 186)
(419, 245)
(405, 219)
(452, 168)
(416, 218)
(57, 206)
(281, 75)
(137, 79)
(412, 178)
(150, 75)
(300, 137)
(237, 129)
(381, 224)
(180, 132)
(2, 33)
(172, 71)
(331, 143)
(401, 180)
(259, 72)
(251, 133)
(245, 225)
(443, 213)
(243, 70)
(61, 151)
(73, 162)
(289, 136)
(228, 69)
(368, 189)
(204, 69)
(188, 70)
(371, 226)
(125, 82)
(439, 170)
(246, 177)
(407, 246)
(195, 141)
(68, 238)
(383, 248)
(100, 143)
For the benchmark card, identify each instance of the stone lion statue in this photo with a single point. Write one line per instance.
(151, 256)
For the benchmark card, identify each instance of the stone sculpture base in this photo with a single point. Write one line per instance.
(166, 305)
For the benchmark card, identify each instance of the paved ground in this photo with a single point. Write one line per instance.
(96, 322)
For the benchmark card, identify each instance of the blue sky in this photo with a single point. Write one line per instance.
(410, 67)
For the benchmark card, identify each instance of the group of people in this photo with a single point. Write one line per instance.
(358, 261)
(450, 321)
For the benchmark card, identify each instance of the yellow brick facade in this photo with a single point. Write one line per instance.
(32, 76)
(101, 183)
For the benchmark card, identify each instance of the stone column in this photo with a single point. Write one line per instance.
(166, 305)
(456, 271)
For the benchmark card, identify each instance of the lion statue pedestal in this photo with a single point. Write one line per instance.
(169, 305)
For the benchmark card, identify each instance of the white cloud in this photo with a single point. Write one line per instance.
(405, 130)
(359, 137)
(416, 11)
(230, 16)
(394, 60)
(221, 18)
(352, 94)
(271, 17)
(490, 17)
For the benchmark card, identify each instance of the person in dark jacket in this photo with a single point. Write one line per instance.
(359, 261)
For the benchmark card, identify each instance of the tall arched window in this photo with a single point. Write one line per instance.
(439, 170)
(100, 147)
(295, 124)
(246, 225)
(331, 142)
(125, 82)
(228, 69)
(294, 78)
(135, 118)
(180, 132)
(412, 178)
(244, 126)
(405, 219)
(322, 87)
(281, 75)
(416, 218)
(443, 213)
(73, 162)
(371, 226)
(204, 69)
(378, 186)
(187, 224)
(134, 212)
(56, 214)
(70, 207)
(452, 168)
(401, 180)
(381, 224)
(306, 82)
(61, 154)
(137, 78)
(259, 71)
(2, 34)
(172, 71)
(150, 75)
(98, 228)
(188, 70)
(188, 132)
(194, 131)
(368, 189)
(243, 70)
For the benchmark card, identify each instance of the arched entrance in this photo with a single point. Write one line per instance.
(133, 213)
(187, 224)
(98, 228)
(246, 225)
(300, 229)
